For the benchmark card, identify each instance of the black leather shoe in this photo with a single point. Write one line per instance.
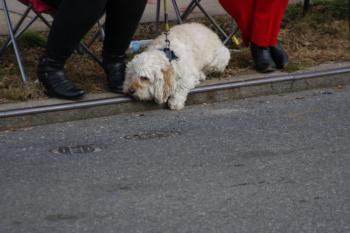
(279, 56)
(51, 74)
(262, 58)
(115, 72)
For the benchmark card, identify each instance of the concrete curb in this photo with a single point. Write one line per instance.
(13, 118)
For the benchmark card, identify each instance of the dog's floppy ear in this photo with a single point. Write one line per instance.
(169, 81)
(165, 85)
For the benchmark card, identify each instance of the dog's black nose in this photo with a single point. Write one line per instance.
(131, 91)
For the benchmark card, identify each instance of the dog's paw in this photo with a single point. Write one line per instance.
(175, 105)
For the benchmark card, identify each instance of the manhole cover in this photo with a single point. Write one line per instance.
(152, 135)
(80, 149)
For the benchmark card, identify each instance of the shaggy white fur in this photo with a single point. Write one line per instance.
(150, 75)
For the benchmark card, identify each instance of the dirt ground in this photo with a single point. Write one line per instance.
(320, 37)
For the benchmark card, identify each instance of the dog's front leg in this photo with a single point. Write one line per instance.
(178, 99)
(188, 77)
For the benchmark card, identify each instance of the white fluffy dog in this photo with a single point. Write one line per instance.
(151, 76)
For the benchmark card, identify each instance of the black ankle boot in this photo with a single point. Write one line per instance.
(262, 58)
(51, 74)
(279, 56)
(115, 71)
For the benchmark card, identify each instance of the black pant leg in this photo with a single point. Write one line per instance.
(122, 19)
(73, 19)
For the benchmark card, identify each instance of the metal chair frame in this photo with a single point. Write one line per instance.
(306, 6)
(197, 3)
(16, 32)
(176, 9)
(184, 16)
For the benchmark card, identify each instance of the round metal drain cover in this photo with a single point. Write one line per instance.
(152, 135)
(80, 149)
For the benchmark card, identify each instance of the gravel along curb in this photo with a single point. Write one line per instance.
(14, 118)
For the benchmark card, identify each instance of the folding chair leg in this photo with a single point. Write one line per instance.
(306, 7)
(177, 12)
(85, 48)
(211, 19)
(18, 34)
(14, 44)
(18, 25)
(189, 9)
(93, 39)
(44, 20)
(100, 33)
(230, 37)
(158, 16)
(197, 3)
(101, 30)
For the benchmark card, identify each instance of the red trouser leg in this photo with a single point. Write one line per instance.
(258, 20)
(243, 13)
(267, 21)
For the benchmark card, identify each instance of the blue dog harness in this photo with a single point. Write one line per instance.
(170, 54)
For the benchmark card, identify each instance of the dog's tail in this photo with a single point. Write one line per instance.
(221, 60)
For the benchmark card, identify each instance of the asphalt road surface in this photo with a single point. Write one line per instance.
(274, 164)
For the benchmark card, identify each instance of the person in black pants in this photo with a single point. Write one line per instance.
(73, 19)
